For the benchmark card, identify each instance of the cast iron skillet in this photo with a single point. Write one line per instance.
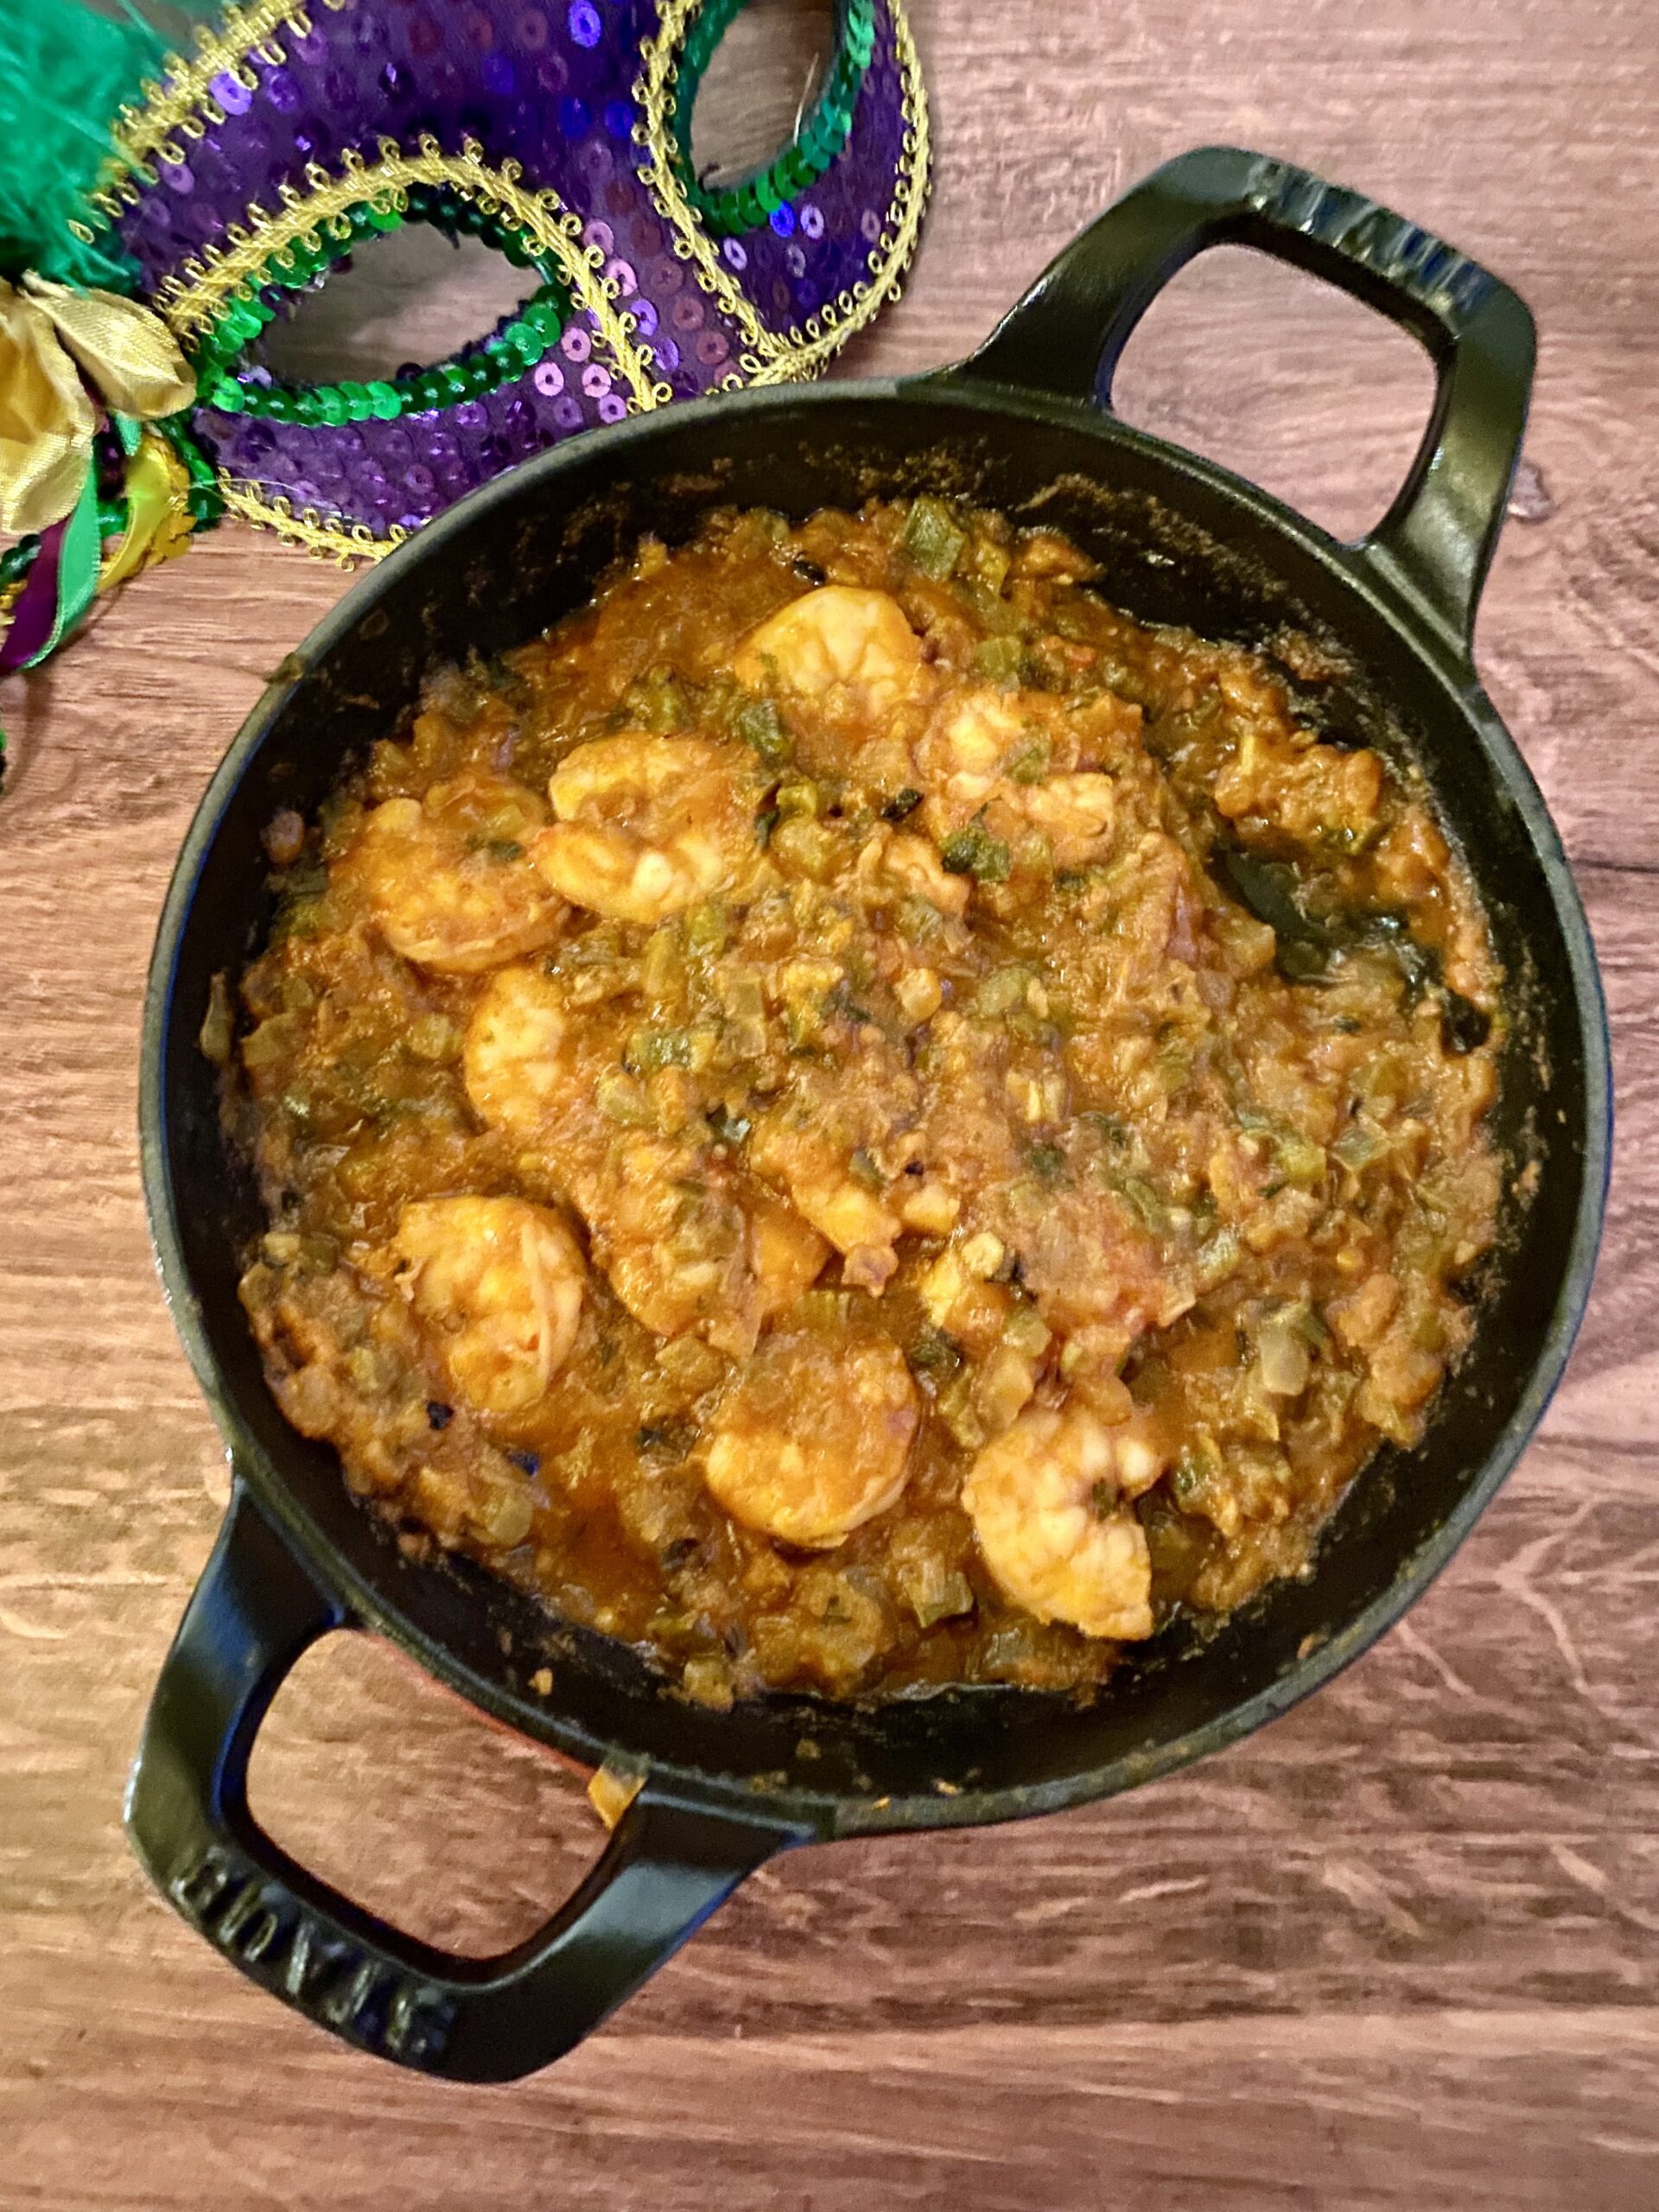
(1024, 425)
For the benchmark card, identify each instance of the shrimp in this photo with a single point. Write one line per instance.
(1049, 1501)
(687, 1242)
(813, 1438)
(690, 1248)
(787, 1252)
(646, 826)
(892, 866)
(446, 878)
(839, 644)
(959, 759)
(497, 1283)
(1074, 812)
(522, 1061)
(796, 1149)
(989, 753)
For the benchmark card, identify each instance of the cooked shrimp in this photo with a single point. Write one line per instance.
(813, 1438)
(646, 825)
(498, 1284)
(687, 1243)
(814, 1164)
(522, 1060)
(672, 1237)
(1049, 1500)
(989, 753)
(787, 1252)
(903, 864)
(447, 880)
(959, 759)
(693, 1250)
(1074, 812)
(839, 644)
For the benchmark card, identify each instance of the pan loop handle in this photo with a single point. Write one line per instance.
(1434, 545)
(667, 1864)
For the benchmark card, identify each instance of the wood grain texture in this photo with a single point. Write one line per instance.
(1398, 1951)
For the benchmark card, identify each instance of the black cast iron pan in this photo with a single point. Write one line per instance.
(1024, 425)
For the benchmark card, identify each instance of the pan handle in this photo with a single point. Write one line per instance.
(667, 1864)
(1435, 543)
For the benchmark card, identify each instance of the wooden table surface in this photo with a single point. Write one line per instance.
(1401, 1950)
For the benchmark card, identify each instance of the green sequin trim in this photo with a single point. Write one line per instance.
(518, 342)
(728, 209)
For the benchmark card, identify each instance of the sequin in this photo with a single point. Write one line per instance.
(794, 261)
(419, 479)
(567, 413)
(812, 222)
(595, 380)
(282, 91)
(687, 312)
(668, 353)
(533, 30)
(575, 345)
(644, 312)
(618, 118)
(782, 220)
(553, 72)
(613, 409)
(549, 379)
(425, 37)
(231, 93)
(712, 346)
(585, 26)
(499, 76)
(480, 29)
(176, 176)
(870, 223)
(601, 234)
(734, 255)
(573, 117)
(621, 273)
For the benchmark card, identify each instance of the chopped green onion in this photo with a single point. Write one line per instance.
(1001, 660)
(933, 540)
(759, 725)
(975, 852)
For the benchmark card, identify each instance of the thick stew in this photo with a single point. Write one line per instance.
(857, 1119)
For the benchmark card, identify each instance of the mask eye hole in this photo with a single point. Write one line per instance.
(235, 376)
(413, 293)
(750, 75)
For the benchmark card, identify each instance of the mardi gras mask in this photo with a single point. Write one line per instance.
(558, 131)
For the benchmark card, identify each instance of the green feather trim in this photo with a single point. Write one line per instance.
(64, 74)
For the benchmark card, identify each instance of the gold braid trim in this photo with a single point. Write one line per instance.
(183, 101)
(315, 533)
(801, 350)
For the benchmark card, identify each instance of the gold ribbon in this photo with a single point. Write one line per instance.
(50, 337)
(158, 517)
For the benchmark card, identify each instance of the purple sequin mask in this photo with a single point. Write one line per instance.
(558, 131)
